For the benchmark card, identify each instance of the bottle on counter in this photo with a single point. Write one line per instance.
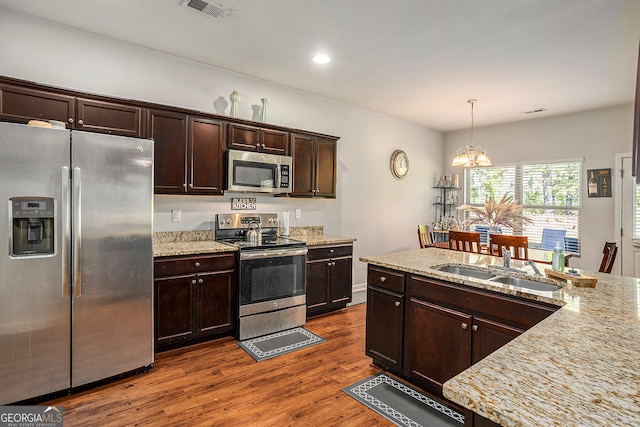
(557, 259)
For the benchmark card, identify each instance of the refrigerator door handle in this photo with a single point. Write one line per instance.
(65, 240)
(77, 230)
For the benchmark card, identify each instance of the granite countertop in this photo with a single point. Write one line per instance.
(578, 367)
(322, 239)
(173, 243)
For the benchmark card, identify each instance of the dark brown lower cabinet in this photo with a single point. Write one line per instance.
(385, 310)
(385, 318)
(195, 299)
(446, 327)
(329, 278)
(438, 344)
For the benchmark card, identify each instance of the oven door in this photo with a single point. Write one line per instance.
(272, 274)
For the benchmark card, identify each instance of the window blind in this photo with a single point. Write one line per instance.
(549, 193)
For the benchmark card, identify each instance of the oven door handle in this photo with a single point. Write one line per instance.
(246, 255)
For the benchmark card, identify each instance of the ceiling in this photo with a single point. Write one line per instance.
(418, 60)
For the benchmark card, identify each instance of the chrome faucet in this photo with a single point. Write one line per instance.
(535, 268)
(506, 257)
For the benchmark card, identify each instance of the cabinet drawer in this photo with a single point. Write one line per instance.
(516, 312)
(386, 279)
(326, 252)
(190, 265)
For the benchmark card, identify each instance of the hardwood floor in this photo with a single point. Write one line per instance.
(218, 384)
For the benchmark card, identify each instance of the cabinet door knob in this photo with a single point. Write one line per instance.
(197, 264)
(464, 326)
(70, 120)
(80, 122)
(474, 328)
(258, 145)
(185, 187)
(193, 282)
(200, 280)
(397, 303)
(263, 146)
(383, 279)
(331, 251)
(190, 185)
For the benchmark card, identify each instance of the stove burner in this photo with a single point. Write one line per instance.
(232, 229)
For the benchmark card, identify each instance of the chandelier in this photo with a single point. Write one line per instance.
(470, 156)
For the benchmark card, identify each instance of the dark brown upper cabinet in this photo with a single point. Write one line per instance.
(188, 153)
(314, 166)
(264, 140)
(21, 104)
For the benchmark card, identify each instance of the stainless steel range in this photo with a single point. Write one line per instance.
(272, 273)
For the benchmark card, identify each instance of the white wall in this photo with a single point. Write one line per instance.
(595, 135)
(372, 206)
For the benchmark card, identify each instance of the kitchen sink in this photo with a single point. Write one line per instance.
(468, 272)
(525, 283)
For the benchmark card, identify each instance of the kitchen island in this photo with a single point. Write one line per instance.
(579, 366)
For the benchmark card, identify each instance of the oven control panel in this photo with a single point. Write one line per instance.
(244, 220)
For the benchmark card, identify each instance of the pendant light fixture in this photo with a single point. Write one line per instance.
(470, 156)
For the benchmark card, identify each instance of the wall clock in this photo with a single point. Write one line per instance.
(399, 164)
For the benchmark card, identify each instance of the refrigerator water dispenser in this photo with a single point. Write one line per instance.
(32, 220)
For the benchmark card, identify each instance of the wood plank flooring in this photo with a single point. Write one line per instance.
(218, 384)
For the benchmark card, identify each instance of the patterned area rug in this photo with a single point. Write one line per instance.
(401, 404)
(268, 346)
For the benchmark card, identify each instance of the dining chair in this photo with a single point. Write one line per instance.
(517, 245)
(550, 236)
(608, 257)
(465, 241)
(425, 237)
(571, 244)
(484, 233)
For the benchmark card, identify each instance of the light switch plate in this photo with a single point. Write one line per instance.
(176, 215)
(298, 213)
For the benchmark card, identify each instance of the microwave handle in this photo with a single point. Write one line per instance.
(278, 175)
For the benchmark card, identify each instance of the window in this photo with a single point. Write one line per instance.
(549, 193)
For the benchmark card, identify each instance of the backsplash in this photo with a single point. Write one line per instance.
(305, 231)
(202, 235)
(182, 236)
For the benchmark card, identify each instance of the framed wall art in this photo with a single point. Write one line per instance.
(599, 182)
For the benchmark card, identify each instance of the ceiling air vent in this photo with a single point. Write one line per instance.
(212, 10)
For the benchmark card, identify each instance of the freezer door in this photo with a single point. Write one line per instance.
(34, 292)
(112, 190)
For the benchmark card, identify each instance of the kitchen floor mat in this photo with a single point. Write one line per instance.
(401, 404)
(272, 345)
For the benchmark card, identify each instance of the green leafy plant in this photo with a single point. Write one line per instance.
(504, 213)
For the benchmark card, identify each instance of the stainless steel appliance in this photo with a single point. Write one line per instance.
(272, 273)
(76, 262)
(258, 172)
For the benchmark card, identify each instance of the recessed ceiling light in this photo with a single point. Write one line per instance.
(321, 58)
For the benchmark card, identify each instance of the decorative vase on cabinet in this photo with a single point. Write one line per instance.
(265, 115)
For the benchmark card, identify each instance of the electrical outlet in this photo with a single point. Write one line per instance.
(176, 215)
(298, 213)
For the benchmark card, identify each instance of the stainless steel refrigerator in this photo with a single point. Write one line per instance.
(76, 262)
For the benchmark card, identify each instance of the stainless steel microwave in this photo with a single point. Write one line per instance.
(251, 172)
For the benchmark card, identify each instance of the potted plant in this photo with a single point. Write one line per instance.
(504, 213)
